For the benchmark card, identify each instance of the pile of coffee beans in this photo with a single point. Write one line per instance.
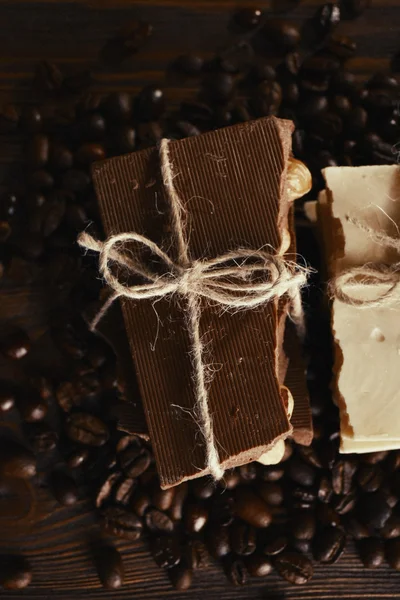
(60, 384)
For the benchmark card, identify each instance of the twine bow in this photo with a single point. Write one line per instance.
(237, 280)
(370, 274)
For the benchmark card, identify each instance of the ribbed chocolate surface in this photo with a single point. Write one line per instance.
(229, 182)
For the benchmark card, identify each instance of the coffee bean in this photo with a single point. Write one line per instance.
(275, 544)
(32, 407)
(42, 438)
(122, 523)
(150, 103)
(342, 476)
(329, 545)
(64, 488)
(248, 472)
(354, 8)
(7, 398)
(189, 64)
(181, 577)
(203, 488)
(267, 98)
(75, 180)
(373, 458)
(391, 528)
(372, 552)
(258, 565)
(341, 105)
(162, 499)
(369, 477)
(78, 458)
(326, 18)
(197, 555)
(90, 152)
(129, 39)
(392, 553)
(38, 151)
(251, 508)
(341, 46)
(219, 87)
(284, 36)
(195, 517)
(60, 157)
(328, 125)
(110, 567)
(15, 460)
(123, 139)
(303, 525)
(309, 456)
(87, 429)
(319, 65)
(134, 461)
(373, 510)
(345, 503)
(176, 508)
(248, 18)
(31, 119)
(301, 473)
(158, 521)
(15, 572)
(218, 543)
(236, 571)
(304, 497)
(140, 502)
(294, 567)
(312, 106)
(16, 345)
(124, 489)
(271, 492)
(166, 551)
(354, 528)
(243, 538)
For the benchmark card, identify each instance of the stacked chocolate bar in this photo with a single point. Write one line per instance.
(237, 187)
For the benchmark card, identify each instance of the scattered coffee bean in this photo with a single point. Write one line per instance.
(189, 64)
(87, 429)
(218, 542)
(329, 545)
(176, 509)
(120, 522)
(42, 438)
(294, 567)
(303, 525)
(251, 508)
(32, 407)
(236, 571)
(284, 36)
(272, 493)
(16, 345)
(7, 399)
(15, 572)
(248, 18)
(301, 473)
(243, 538)
(373, 510)
(198, 556)
(64, 488)
(258, 565)
(166, 551)
(15, 460)
(354, 8)
(369, 477)
(275, 544)
(195, 517)
(110, 567)
(90, 152)
(372, 552)
(158, 521)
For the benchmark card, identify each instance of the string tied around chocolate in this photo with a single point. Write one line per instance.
(370, 274)
(237, 280)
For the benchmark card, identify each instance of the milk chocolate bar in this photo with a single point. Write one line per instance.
(232, 185)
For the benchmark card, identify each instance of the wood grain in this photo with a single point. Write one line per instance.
(71, 33)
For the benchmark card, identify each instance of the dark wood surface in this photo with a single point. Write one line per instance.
(71, 33)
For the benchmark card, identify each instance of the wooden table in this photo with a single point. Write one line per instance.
(71, 33)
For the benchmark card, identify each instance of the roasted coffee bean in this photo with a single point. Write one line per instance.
(258, 565)
(251, 508)
(243, 538)
(124, 489)
(75, 180)
(135, 461)
(197, 555)
(326, 18)
(203, 488)
(15, 460)
(319, 65)
(110, 567)
(345, 503)
(328, 125)
(342, 476)
(162, 499)
(248, 472)
(219, 87)
(354, 8)
(90, 152)
(150, 103)
(354, 528)
(123, 139)
(374, 457)
(235, 570)
(218, 543)
(195, 517)
(129, 39)
(392, 553)
(372, 552)
(309, 456)
(391, 528)
(41, 180)
(118, 106)
(60, 157)
(181, 577)
(122, 523)
(189, 64)
(312, 106)
(271, 492)
(373, 510)
(329, 545)
(341, 105)
(166, 551)
(176, 509)
(16, 345)
(86, 429)
(64, 488)
(140, 502)
(304, 497)
(301, 473)
(303, 525)
(248, 18)
(294, 567)
(38, 151)
(267, 98)
(158, 521)
(341, 46)
(369, 477)
(284, 36)
(42, 438)
(32, 407)
(327, 516)
(7, 398)
(275, 544)
(290, 93)
(31, 119)
(93, 127)
(15, 572)
(48, 78)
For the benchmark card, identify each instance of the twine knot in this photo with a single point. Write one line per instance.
(237, 280)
